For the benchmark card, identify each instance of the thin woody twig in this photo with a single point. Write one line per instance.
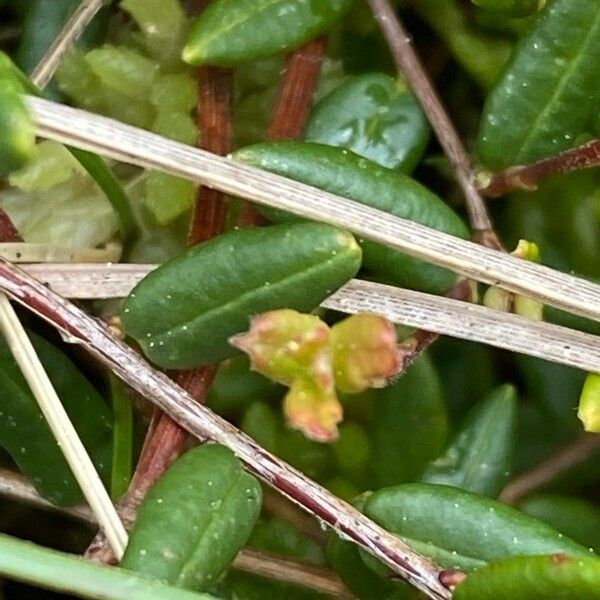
(292, 108)
(448, 316)
(75, 26)
(277, 568)
(527, 177)
(204, 424)
(166, 440)
(408, 63)
(296, 90)
(561, 461)
(216, 136)
(148, 150)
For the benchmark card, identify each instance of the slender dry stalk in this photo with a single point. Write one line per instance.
(561, 461)
(204, 424)
(277, 568)
(433, 314)
(58, 420)
(129, 144)
(527, 177)
(24, 252)
(408, 64)
(74, 27)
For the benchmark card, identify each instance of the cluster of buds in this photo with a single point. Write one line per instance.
(303, 353)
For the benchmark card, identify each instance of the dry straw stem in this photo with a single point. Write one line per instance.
(23, 252)
(61, 426)
(74, 27)
(437, 314)
(204, 424)
(129, 144)
(17, 487)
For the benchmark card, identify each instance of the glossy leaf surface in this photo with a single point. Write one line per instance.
(461, 530)
(409, 426)
(533, 578)
(229, 32)
(195, 519)
(577, 518)
(375, 116)
(549, 91)
(344, 173)
(25, 435)
(479, 459)
(183, 313)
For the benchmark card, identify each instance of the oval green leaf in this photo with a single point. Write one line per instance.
(409, 426)
(479, 459)
(461, 530)
(377, 117)
(25, 435)
(533, 578)
(230, 32)
(549, 91)
(577, 518)
(195, 519)
(342, 172)
(183, 314)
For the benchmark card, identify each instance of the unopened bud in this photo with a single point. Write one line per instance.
(365, 353)
(589, 404)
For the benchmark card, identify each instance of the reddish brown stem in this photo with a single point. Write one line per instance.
(8, 232)
(166, 440)
(296, 91)
(527, 177)
(204, 424)
(294, 101)
(215, 132)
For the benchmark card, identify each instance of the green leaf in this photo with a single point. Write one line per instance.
(182, 320)
(409, 427)
(362, 581)
(549, 91)
(344, 173)
(122, 459)
(70, 574)
(533, 578)
(574, 517)
(25, 435)
(479, 459)
(461, 530)
(375, 116)
(236, 387)
(195, 519)
(229, 32)
(513, 8)
(17, 132)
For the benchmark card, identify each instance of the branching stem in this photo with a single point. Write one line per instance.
(527, 177)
